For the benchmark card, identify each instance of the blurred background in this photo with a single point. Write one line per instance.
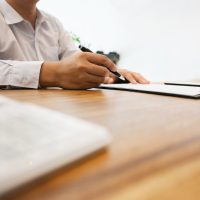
(158, 38)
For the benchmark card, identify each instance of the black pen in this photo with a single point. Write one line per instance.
(120, 80)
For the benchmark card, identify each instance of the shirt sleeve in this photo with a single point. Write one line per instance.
(67, 46)
(23, 74)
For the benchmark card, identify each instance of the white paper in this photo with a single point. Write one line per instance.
(157, 88)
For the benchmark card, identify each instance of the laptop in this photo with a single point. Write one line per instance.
(35, 141)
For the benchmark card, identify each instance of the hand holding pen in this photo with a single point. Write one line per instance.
(84, 70)
(120, 78)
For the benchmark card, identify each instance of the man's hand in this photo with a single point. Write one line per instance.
(80, 71)
(84, 71)
(132, 77)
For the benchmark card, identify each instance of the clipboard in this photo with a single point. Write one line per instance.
(159, 89)
(194, 84)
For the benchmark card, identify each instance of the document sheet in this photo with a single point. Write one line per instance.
(35, 141)
(182, 91)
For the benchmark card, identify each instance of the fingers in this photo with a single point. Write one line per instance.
(102, 61)
(97, 79)
(139, 78)
(103, 72)
(134, 77)
(97, 70)
(87, 81)
(114, 77)
(130, 78)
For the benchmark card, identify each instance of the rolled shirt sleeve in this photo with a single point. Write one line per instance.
(23, 74)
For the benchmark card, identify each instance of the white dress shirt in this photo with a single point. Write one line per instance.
(23, 49)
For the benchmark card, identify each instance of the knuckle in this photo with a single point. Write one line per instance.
(82, 55)
(105, 72)
(104, 59)
(81, 67)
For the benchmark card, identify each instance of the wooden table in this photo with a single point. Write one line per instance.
(155, 152)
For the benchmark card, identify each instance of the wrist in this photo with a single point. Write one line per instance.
(48, 74)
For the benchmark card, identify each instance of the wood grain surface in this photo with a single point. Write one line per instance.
(155, 152)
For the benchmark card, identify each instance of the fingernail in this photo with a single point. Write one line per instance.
(110, 81)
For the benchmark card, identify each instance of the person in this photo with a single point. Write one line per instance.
(36, 51)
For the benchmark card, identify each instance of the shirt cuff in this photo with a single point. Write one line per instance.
(25, 74)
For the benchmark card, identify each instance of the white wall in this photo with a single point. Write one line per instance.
(159, 38)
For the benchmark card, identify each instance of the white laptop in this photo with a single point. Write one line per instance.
(35, 141)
